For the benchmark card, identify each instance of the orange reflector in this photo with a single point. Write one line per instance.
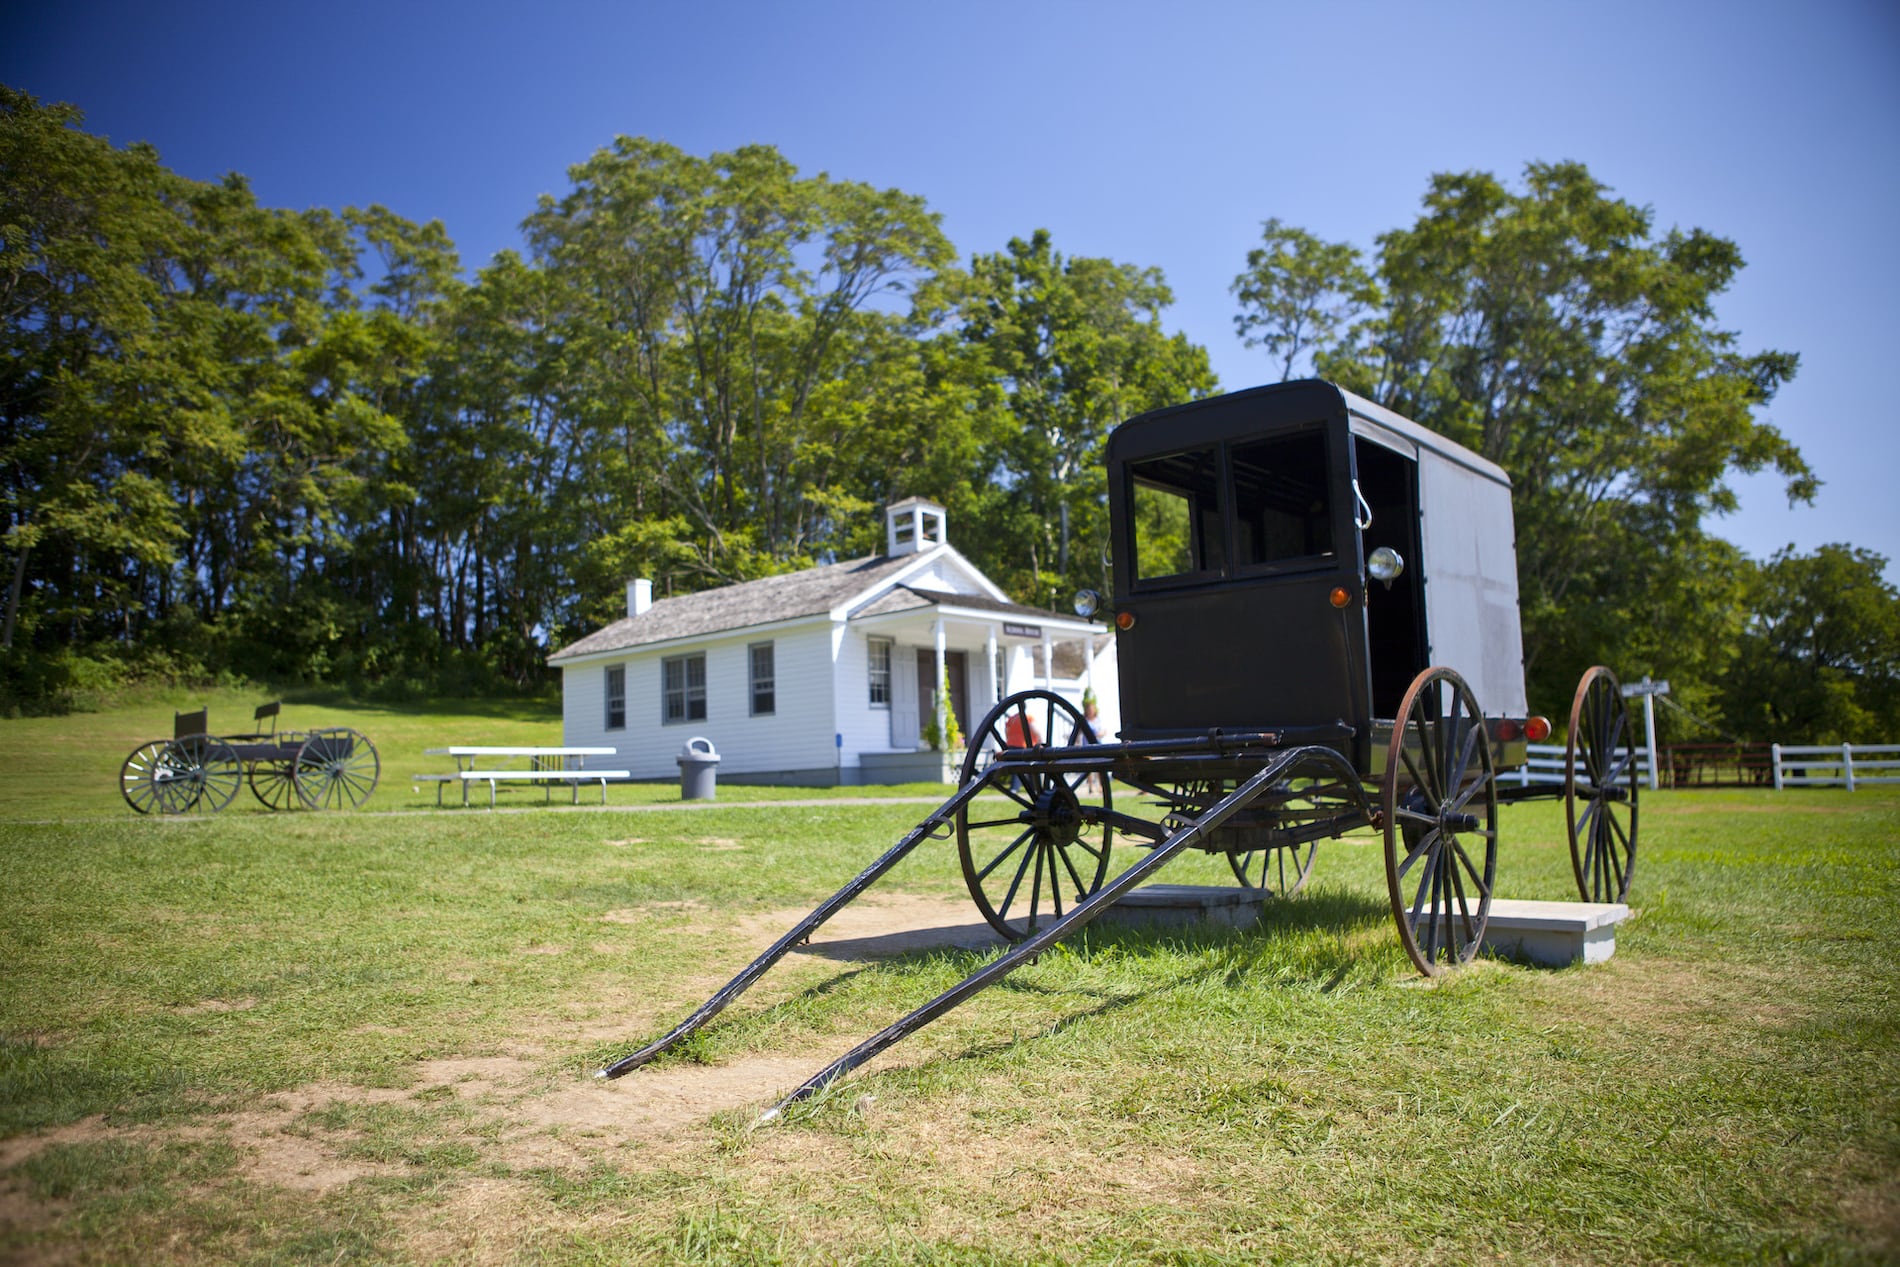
(1124, 620)
(1537, 729)
(1340, 597)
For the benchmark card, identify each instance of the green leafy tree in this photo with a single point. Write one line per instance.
(1299, 294)
(1077, 346)
(95, 399)
(1552, 330)
(1819, 659)
(707, 304)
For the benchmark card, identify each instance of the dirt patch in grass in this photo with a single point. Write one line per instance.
(22, 1148)
(654, 1102)
(1873, 1211)
(483, 1222)
(270, 1146)
(477, 1076)
(22, 1212)
(1695, 1007)
(216, 1005)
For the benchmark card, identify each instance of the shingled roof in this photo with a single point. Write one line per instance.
(766, 600)
(770, 599)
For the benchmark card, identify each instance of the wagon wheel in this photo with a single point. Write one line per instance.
(336, 769)
(1601, 773)
(149, 782)
(204, 775)
(1018, 859)
(275, 783)
(1438, 771)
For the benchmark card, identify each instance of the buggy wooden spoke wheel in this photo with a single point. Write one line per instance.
(275, 783)
(337, 769)
(204, 775)
(1439, 808)
(150, 783)
(1600, 789)
(1034, 858)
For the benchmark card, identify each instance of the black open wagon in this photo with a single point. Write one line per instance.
(1315, 604)
(195, 772)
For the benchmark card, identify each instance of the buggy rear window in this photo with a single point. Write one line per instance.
(1177, 515)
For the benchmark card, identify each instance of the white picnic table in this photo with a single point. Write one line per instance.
(546, 766)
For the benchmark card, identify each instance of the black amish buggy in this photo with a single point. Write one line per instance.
(195, 772)
(1315, 605)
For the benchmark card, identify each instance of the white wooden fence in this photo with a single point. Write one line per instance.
(1844, 765)
(1838, 765)
(1546, 765)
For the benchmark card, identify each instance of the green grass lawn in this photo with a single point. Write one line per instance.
(368, 1038)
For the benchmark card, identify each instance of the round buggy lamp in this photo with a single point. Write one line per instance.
(1385, 565)
(1086, 603)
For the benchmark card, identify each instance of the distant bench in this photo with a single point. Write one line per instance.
(549, 766)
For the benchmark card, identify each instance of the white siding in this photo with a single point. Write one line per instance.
(584, 712)
(796, 736)
(865, 729)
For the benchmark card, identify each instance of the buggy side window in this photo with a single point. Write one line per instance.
(1177, 515)
(1282, 507)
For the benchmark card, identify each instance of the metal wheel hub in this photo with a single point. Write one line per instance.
(1057, 815)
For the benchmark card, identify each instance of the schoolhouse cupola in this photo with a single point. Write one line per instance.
(912, 526)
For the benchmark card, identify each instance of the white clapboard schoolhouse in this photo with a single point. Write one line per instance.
(829, 675)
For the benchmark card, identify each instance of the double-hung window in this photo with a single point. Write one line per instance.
(616, 697)
(683, 688)
(880, 672)
(764, 679)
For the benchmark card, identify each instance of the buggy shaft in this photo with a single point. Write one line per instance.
(803, 929)
(1098, 902)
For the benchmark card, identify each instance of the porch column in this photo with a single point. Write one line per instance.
(1088, 661)
(936, 684)
(996, 679)
(1048, 662)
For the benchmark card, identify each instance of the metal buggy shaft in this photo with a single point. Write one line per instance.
(1080, 915)
(925, 830)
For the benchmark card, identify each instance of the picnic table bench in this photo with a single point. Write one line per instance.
(546, 766)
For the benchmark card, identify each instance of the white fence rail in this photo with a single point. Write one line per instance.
(1546, 765)
(1842, 765)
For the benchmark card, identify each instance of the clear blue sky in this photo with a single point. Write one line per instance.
(1155, 135)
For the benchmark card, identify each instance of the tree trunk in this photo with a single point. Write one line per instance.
(13, 599)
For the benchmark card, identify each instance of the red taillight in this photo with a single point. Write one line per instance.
(1537, 729)
(1124, 620)
(1509, 731)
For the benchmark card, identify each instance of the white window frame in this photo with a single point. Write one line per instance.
(616, 697)
(683, 692)
(766, 683)
(880, 676)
